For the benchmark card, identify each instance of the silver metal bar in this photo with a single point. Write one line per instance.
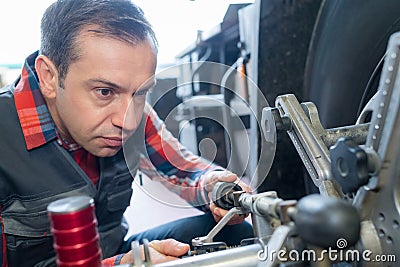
(307, 140)
(246, 256)
(357, 132)
(275, 244)
(137, 257)
(261, 204)
(262, 207)
(210, 236)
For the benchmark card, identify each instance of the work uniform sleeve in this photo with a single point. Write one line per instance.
(168, 161)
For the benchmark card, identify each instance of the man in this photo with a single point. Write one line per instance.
(75, 122)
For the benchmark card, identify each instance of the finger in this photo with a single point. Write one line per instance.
(216, 218)
(244, 186)
(227, 176)
(170, 247)
(127, 258)
(219, 176)
(157, 257)
(211, 179)
(234, 220)
(219, 213)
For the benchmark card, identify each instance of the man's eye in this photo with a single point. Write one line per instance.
(104, 92)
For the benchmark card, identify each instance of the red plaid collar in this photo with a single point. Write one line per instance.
(35, 119)
(37, 125)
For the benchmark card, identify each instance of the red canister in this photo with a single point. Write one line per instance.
(74, 229)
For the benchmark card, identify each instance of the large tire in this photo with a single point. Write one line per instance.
(349, 40)
(285, 30)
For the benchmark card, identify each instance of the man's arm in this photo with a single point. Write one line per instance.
(188, 175)
(173, 164)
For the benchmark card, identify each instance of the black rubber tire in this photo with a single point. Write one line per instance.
(349, 39)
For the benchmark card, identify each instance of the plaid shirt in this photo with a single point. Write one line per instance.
(166, 160)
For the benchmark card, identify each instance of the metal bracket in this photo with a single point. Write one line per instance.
(198, 241)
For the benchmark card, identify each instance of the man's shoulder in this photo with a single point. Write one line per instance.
(7, 90)
(8, 112)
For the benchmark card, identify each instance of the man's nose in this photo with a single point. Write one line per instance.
(125, 116)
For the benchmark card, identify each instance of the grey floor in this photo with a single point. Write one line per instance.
(152, 204)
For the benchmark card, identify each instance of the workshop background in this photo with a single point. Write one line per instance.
(309, 48)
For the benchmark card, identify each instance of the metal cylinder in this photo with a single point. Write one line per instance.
(74, 229)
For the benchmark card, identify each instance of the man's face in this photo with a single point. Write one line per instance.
(104, 93)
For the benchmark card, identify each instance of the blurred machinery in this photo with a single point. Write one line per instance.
(327, 52)
(205, 71)
(353, 221)
(231, 73)
(318, 51)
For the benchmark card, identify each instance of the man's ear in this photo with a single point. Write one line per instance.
(48, 76)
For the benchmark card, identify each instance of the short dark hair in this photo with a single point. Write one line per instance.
(64, 20)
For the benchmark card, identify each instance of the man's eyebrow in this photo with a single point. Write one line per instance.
(147, 86)
(107, 83)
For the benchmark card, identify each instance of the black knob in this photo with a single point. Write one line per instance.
(327, 222)
(222, 194)
(349, 163)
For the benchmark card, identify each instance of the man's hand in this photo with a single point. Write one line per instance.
(160, 251)
(213, 177)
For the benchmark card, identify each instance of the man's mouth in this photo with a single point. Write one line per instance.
(112, 141)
